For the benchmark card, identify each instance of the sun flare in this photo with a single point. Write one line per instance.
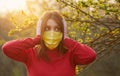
(10, 5)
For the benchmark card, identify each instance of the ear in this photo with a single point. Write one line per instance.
(38, 27)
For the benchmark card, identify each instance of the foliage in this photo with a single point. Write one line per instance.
(24, 25)
(95, 23)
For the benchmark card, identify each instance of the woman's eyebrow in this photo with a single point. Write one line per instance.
(58, 27)
(47, 24)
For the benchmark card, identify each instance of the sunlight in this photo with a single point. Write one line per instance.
(10, 5)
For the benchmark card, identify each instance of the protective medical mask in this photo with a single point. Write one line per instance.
(52, 39)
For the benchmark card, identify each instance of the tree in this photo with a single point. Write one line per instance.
(95, 23)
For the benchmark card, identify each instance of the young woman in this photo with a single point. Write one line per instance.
(50, 53)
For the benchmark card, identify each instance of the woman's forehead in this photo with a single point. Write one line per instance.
(52, 22)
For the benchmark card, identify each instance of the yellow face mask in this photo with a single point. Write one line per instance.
(52, 39)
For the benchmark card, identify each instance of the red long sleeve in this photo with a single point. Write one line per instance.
(58, 66)
(81, 53)
(15, 49)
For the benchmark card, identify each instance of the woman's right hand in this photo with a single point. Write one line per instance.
(37, 39)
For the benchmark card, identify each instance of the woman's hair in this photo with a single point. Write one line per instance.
(41, 49)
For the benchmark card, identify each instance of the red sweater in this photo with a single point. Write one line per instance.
(23, 51)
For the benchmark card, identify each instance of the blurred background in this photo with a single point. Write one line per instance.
(95, 23)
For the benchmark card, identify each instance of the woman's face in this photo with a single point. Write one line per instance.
(52, 34)
(51, 25)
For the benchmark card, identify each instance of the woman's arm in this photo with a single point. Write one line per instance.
(81, 54)
(16, 49)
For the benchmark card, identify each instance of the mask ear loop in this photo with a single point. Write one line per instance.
(38, 28)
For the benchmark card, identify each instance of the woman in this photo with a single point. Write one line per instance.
(50, 53)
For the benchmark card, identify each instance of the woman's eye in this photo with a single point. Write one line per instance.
(57, 29)
(47, 28)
